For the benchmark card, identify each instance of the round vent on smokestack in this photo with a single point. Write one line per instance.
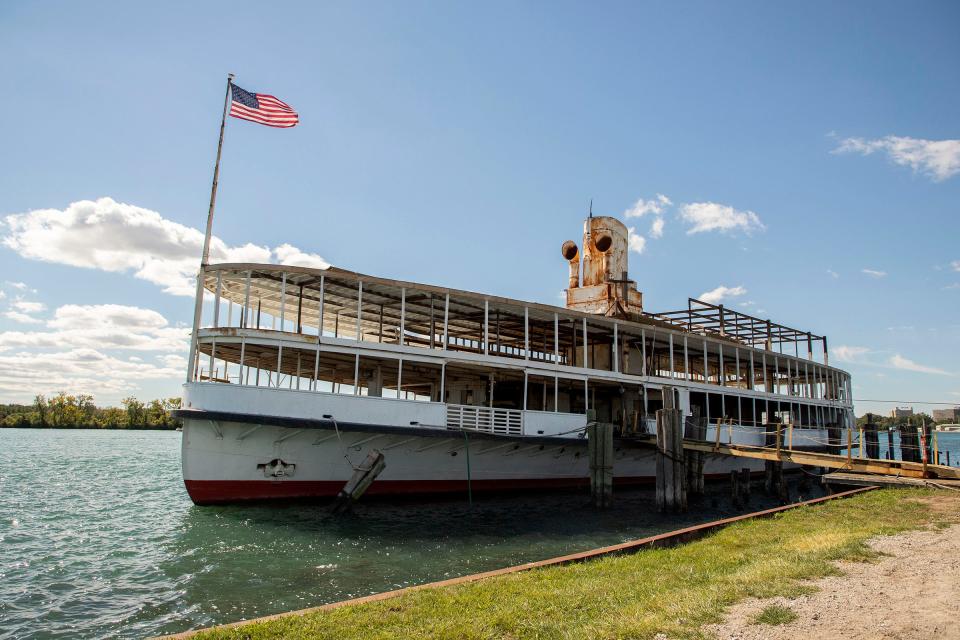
(603, 242)
(572, 255)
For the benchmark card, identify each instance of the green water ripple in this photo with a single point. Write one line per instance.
(99, 539)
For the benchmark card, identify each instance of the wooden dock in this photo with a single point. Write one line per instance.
(854, 464)
(872, 480)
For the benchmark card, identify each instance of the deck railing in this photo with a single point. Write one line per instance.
(500, 421)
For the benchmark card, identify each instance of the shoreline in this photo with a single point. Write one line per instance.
(660, 541)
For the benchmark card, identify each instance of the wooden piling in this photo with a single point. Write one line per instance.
(890, 452)
(745, 482)
(871, 438)
(833, 438)
(697, 430)
(771, 439)
(600, 449)
(783, 489)
(735, 493)
(671, 462)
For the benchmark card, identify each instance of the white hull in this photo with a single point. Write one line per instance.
(254, 443)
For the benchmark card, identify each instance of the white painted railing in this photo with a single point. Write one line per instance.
(500, 421)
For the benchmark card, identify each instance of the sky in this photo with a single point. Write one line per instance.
(797, 162)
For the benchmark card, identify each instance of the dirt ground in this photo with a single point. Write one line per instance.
(914, 592)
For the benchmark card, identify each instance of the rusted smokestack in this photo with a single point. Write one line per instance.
(572, 255)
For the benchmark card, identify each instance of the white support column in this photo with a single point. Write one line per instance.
(356, 374)
(446, 321)
(216, 300)
(764, 363)
(556, 339)
(320, 310)
(283, 304)
(298, 371)
(246, 301)
(400, 378)
(616, 349)
(526, 346)
(643, 354)
(279, 362)
(586, 355)
(706, 363)
(673, 372)
(316, 369)
(486, 327)
(443, 377)
(525, 381)
(686, 359)
(753, 383)
(776, 375)
(243, 349)
(736, 358)
(723, 372)
(213, 351)
(586, 395)
(556, 393)
(403, 319)
(359, 310)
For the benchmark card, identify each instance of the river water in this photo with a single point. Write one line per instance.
(99, 539)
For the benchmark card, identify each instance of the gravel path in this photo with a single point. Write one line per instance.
(912, 593)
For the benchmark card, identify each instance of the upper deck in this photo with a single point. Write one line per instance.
(344, 332)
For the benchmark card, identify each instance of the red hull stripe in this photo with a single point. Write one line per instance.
(225, 491)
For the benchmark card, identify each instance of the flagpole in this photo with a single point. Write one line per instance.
(205, 258)
(216, 177)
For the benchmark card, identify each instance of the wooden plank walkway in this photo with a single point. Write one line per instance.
(871, 480)
(897, 468)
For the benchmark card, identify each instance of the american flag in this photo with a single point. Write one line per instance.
(261, 108)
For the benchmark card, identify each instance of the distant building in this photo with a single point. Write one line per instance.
(902, 412)
(946, 415)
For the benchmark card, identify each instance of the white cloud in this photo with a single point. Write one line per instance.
(955, 265)
(721, 293)
(833, 274)
(656, 228)
(2, 295)
(28, 307)
(635, 241)
(938, 159)
(642, 207)
(845, 353)
(873, 273)
(22, 286)
(899, 362)
(16, 316)
(117, 237)
(108, 326)
(22, 375)
(287, 254)
(94, 316)
(710, 216)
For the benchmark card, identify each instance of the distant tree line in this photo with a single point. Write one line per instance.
(64, 411)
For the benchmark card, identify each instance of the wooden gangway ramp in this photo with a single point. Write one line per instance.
(852, 463)
(873, 480)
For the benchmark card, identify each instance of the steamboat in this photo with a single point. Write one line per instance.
(296, 374)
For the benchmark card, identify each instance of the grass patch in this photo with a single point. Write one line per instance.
(774, 614)
(673, 591)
